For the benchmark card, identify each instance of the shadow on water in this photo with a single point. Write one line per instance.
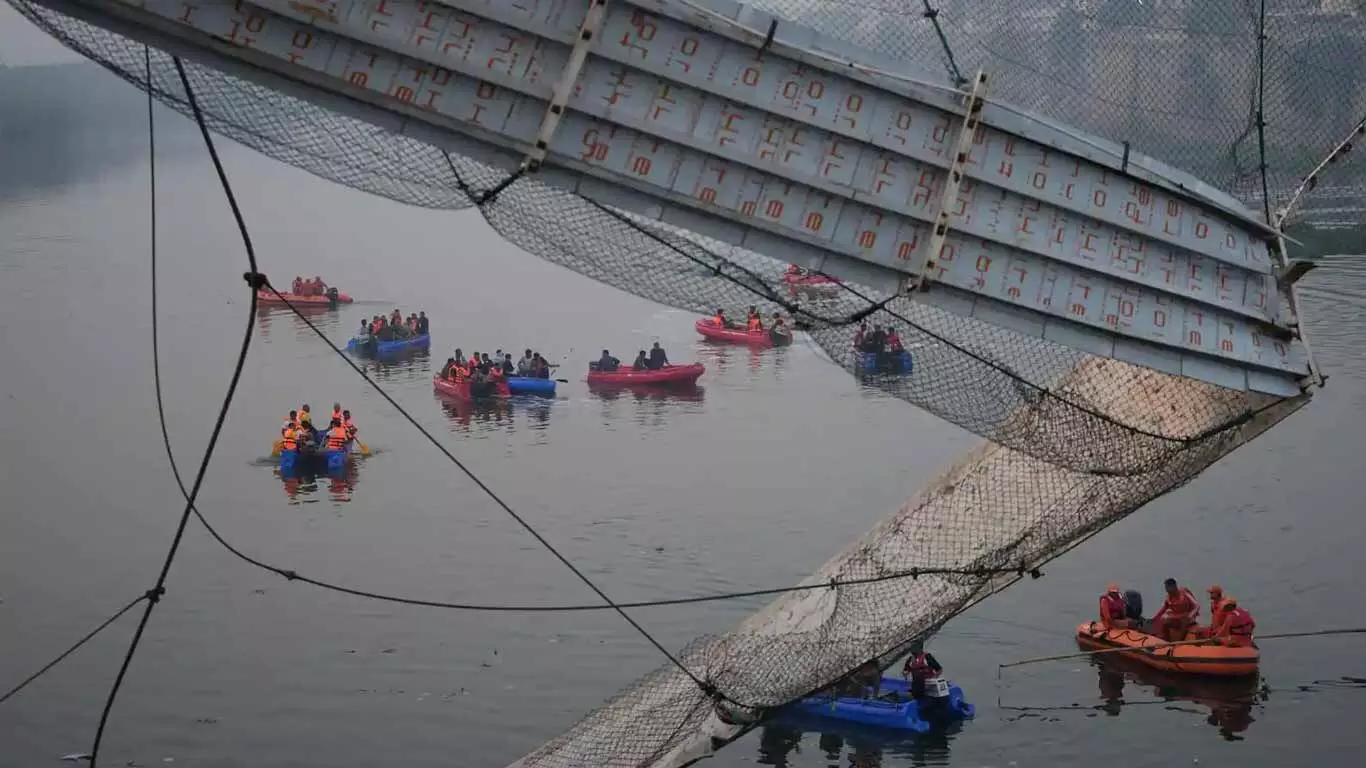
(271, 318)
(1225, 704)
(720, 357)
(491, 414)
(304, 488)
(863, 745)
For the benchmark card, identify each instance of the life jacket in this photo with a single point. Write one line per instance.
(298, 286)
(1216, 610)
(496, 372)
(1183, 606)
(336, 439)
(755, 324)
(1112, 608)
(350, 428)
(337, 415)
(305, 418)
(919, 668)
(290, 443)
(894, 342)
(719, 319)
(1239, 623)
(458, 372)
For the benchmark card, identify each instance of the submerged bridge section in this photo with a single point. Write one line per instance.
(733, 124)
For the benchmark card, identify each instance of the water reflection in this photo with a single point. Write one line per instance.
(720, 357)
(863, 745)
(301, 488)
(407, 366)
(491, 414)
(274, 317)
(1229, 701)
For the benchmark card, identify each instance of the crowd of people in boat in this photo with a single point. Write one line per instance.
(314, 287)
(655, 359)
(298, 430)
(878, 341)
(1178, 618)
(480, 368)
(395, 327)
(754, 322)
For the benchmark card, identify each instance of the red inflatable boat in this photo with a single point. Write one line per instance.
(810, 281)
(461, 390)
(670, 374)
(268, 297)
(765, 338)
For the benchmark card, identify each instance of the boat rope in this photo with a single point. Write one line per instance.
(253, 278)
(1173, 644)
(89, 636)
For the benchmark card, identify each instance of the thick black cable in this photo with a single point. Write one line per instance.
(154, 595)
(24, 684)
(492, 494)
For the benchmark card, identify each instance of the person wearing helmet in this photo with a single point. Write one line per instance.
(920, 666)
(1237, 626)
(1113, 610)
(1218, 604)
(1177, 614)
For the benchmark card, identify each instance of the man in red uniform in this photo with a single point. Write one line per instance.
(919, 668)
(1177, 614)
(1113, 611)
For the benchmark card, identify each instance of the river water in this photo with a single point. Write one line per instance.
(776, 463)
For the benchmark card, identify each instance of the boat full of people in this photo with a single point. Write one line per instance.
(880, 350)
(305, 293)
(391, 335)
(1174, 640)
(481, 375)
(305, 449)
(720, 328)
(648, 369)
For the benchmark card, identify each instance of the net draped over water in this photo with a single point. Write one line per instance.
(1075, 441)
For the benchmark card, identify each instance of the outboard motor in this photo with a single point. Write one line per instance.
(333, 296)
(1133, 605)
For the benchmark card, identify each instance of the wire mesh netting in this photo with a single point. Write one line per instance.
(1077, 441)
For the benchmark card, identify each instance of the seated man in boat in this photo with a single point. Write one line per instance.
(753, 323)
(1218, 605)
(657, 357)
(509, 367)
(297, 286)
(542, 367)
(336, 436)
(486, 364)
(920, 667)
(1177, 614)
(319, 286)
(893, 341)
(641, 363)
(527, 365)
(291, 422)
(720, 320)
(349, 426)
(1114, 612)
(867, 680)
(495, 373)
(289, 438)
(446, 369)
(336, 411)
(459, 357)
(607, 363)
(1236, 627)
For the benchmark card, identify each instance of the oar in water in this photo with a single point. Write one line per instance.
(364, 449)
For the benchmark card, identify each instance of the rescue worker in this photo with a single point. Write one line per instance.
(607, 363)
(920, 667)
(509, 367)
(319, 285)
(291, 422)
(459, 357)
(868, 675)
(893, 341)
(1177, 614)
(527, 365)
(1217, 606)
(336, 411)
(446, 369)
(298, 286)
(1237, 626)
(542, 367)
(336, 436)
(641, 362)
(349, 425)
(290, 438)
(422, 322)
(720, 319)
(495, 372)
(754, 324)
(1113, 610)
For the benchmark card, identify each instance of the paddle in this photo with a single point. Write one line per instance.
(364, 449)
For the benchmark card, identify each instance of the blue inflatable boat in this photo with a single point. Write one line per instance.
(299, 462)
(901, 363)
(527, 385)
(893, 709)
(370, 345)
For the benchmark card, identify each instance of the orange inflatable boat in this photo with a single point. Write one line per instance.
(1202, 659)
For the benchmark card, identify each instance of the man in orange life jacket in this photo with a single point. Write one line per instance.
(720, 319)
(348, 425)
(1113, 611)
(336, 436)
(920, 667)
(1237, 625)
(1218, 605)
(291, 440)
(1177, 614)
